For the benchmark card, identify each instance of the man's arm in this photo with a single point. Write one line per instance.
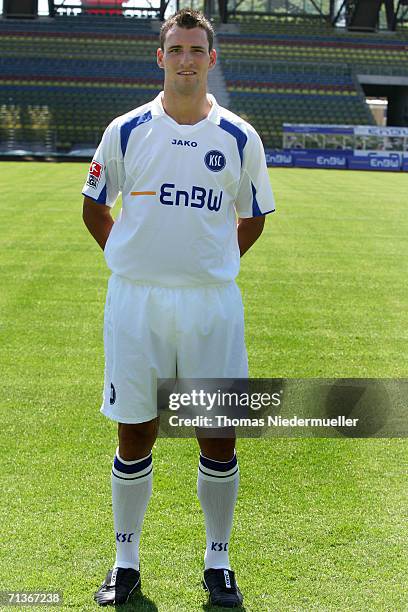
(249, 231)
(98, 220)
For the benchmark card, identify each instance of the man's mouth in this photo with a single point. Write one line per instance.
(186, 72)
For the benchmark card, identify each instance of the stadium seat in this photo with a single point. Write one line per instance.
(70, 76)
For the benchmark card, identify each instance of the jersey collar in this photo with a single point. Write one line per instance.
(157, 110)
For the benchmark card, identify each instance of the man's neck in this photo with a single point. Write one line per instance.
(186, 110)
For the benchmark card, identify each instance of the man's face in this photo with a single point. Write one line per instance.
(186, 60)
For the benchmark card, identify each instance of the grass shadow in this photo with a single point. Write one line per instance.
(210, 608)
(138, 603)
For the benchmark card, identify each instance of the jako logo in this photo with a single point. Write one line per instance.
(331, 161)
(198, 198)
(215, 161)
(184, 143)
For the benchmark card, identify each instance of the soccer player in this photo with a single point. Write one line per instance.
(187, 169)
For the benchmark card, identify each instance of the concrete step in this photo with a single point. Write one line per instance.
(216, 83)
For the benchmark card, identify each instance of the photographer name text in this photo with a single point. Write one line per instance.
(270, 421)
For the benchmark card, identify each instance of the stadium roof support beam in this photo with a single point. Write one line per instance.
(318, 9)
(352, 7)
(401, 13)
(284, 9)
(390, 14)
(162, 10)
(364, 15)
(335, 17)
(223, 10)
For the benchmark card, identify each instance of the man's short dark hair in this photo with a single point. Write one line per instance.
(187, 18)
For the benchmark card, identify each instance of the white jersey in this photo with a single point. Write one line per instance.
(182, 188)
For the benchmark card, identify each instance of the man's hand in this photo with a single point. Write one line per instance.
(249, 231)
(98, 220)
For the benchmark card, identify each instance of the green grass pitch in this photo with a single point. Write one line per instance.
(320, 524)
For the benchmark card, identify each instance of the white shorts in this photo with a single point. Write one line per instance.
(159, 332)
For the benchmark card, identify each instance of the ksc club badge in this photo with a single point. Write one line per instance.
(215, 161)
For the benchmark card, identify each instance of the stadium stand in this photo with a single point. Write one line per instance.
(62, 80)
(303, 73)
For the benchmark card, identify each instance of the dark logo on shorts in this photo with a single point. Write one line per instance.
(215, 161)
(112, 398)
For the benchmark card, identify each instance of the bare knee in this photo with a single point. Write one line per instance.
(136, 440)
(219, 449)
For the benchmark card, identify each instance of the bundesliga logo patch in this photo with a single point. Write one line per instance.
(94, 175)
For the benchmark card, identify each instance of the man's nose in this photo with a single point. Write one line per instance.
(186, 57)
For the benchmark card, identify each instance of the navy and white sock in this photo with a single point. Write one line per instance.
(131, 491)
(217, 488)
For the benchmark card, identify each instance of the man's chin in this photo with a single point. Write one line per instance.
(186, 89)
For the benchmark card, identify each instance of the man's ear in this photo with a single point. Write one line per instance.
(213, 59)
(159, 58)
